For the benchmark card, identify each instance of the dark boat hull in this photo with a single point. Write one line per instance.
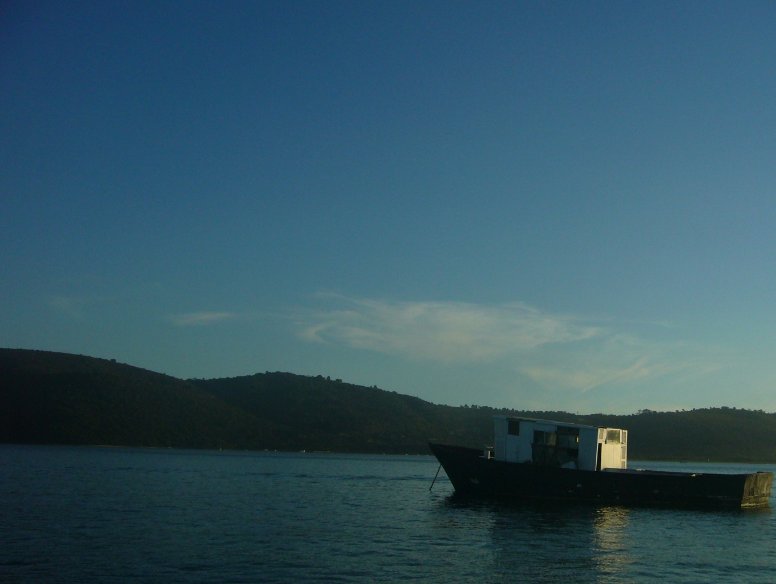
(474, 475)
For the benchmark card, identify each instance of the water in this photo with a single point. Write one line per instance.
(77, 514)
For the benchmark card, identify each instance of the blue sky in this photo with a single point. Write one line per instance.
(544, 205)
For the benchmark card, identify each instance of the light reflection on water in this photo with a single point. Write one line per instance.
(611, 541)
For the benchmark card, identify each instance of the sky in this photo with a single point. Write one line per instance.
(530, 205)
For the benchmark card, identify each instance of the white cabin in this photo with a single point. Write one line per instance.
(567, 445)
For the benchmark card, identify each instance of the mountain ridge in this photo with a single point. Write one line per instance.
(61, 398)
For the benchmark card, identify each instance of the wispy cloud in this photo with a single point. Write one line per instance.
(443, 331)
(201, 318)
(70, 306)
(555, 351)
(607, 369)
(616, 366)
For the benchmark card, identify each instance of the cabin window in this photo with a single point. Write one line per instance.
(612, 436)
(546, 438)
(568, 437)
(557, 449)
(513, 427)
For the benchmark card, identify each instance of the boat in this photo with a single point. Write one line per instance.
(534, 459)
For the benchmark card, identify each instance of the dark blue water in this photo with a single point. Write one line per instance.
(70, 514)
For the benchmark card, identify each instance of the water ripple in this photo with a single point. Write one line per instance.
(112, 515)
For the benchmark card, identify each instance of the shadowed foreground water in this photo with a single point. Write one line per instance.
(73, 514)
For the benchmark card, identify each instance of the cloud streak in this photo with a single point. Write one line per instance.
(441, 331)
(201, 318)
(554, 351)
(70, 306)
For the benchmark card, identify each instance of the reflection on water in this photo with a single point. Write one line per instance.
(549, 542)
(553, 542)
(611, 540)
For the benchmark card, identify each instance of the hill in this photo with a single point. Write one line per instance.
(59, 398)
(323, 414)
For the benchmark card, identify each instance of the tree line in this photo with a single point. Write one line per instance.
(59, 398)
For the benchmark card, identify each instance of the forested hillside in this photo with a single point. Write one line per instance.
(58, 398)
(68, 399)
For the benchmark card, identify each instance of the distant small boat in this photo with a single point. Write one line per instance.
(544, 459)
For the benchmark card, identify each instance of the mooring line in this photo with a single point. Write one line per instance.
(435, 477)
